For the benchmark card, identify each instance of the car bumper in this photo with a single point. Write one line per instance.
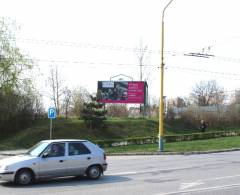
(7, 176)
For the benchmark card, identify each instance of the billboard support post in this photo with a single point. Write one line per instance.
(145, 98)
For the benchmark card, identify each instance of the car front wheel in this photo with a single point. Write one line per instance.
(94, 172)
(24, 177)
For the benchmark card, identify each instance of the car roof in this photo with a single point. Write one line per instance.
(63, 140)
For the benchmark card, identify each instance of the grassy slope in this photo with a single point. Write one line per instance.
(117, 128)
(76, 129)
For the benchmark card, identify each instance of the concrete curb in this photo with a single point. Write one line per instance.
(19, 152)
(174, 153)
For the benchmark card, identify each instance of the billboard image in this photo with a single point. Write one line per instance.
(121, 92)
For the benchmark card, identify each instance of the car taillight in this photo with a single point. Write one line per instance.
(104, 156)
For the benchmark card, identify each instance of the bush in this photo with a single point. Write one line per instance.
(200, 136)
(124, 142)
(17, 111)
(168, 138)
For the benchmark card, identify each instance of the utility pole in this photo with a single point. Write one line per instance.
(161, 104)
(140, 59)
(141, 54)
(141, 72)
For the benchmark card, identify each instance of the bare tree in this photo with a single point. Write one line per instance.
(117, 110)
(56, 85)
(67, 100)
(38, 106)
(208, 93)
(154, 107)
(235, 98)
(80, 95)
(179, 102)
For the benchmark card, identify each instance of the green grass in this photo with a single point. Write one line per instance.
(117, 128)
(73, 128)
(186, 146)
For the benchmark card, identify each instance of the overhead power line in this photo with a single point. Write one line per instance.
(127, 49)
(201, 55)
(87, 45)
(229, 75)
(205, 71)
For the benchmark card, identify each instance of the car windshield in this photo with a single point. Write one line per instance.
(37, 149)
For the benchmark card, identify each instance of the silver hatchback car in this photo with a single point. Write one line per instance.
(55, 158)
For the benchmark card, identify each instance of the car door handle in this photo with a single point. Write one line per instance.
(88, 158)
(61, 161)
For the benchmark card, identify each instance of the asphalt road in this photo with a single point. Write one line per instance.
(217, 173)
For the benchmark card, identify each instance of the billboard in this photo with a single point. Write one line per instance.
(121, 92)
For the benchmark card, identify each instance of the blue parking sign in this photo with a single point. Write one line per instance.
(51, 113)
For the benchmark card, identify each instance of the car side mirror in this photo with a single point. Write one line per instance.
(45, 155)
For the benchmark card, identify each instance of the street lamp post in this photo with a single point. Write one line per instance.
(161, 104)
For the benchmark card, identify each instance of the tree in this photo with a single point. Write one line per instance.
(180, 102)
(38, 105)
(12, 62)
(170, 111)
(154, 107)
(93, 114)
(235, 98)
(18, 99)
(67, 100)
(80, 96)
(117, 110)
(208, 93)
(56, 85)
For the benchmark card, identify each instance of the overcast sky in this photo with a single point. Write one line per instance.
(95, 39)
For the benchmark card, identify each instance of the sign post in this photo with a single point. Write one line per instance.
(51, 115)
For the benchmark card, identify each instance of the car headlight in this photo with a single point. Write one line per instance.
(4, 167)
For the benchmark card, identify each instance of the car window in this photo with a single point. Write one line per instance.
(56, 150)
(38, 148)
(78, 149)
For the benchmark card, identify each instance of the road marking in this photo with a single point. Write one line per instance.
(150, 171)
(219, 178)
(185, 186)
(202, 189)
(123, 173)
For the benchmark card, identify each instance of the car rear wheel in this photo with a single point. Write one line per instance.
(94, 172)
(24, 177)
